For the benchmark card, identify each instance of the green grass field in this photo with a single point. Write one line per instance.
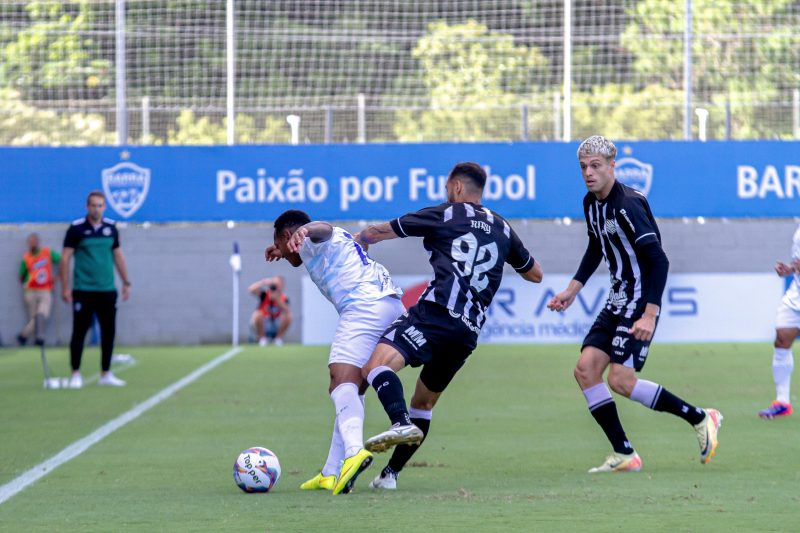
(510, 444)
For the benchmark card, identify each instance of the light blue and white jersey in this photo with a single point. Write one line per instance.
(792, 296)
(344, 273)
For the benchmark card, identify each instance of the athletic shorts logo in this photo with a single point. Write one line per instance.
(126, 185)
(414, 337)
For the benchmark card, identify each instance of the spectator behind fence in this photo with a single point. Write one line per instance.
(272, 317)
(94, 242)
(36, 275)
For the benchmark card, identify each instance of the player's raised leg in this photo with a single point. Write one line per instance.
(381, 373)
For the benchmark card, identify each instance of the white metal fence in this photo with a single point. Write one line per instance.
(211, 72)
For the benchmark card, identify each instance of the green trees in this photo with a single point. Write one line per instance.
(431, 71)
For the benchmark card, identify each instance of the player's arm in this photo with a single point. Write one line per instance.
(638, 224)
(655, 265)
(66, 256)
(783, 270)
(316, 231)
(591, 259)
(23, 272)
(375, 233)
(534, 274)
(122, 269)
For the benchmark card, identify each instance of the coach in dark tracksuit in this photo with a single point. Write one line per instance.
(94, 242)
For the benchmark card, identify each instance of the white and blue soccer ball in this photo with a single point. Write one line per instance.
(256, 470)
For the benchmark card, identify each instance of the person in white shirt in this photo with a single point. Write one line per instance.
(787, 327)
(367, 301)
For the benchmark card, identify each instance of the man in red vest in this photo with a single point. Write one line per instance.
(272, 317)
(36, 275)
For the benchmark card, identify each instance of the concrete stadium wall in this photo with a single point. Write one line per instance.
(181, 291)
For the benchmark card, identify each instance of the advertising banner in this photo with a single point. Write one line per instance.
(378, 181)
(695, 308)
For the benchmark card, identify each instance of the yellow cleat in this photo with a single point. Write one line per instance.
(351, 468)
(319, 482)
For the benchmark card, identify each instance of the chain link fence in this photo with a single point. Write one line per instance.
(79, 72)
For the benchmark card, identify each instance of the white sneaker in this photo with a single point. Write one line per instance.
(110, 380)
(75, 381)
(384, 481)
(263, 341)
(397, 434)
(278, 341)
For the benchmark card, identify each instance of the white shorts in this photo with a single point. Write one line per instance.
(360, 327)
(787, 317)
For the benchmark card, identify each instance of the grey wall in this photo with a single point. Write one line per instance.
(181, 291)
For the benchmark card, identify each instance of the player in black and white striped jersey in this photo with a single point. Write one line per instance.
(468, 246)
(622, 231)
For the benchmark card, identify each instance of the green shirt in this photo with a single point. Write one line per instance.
(94, 254)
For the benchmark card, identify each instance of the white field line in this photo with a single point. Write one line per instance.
(31, 476)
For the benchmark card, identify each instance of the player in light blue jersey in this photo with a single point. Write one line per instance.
(367, 301)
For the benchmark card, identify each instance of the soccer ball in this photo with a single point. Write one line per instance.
(256, 470)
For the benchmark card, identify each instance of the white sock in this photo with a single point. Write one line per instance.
(349, 417)
(333, 464)
(782, 366)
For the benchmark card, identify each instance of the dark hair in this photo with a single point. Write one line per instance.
(96, 193)
(293, 218)
(473, 173)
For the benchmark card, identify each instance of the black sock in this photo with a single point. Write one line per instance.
(608, 419)
(669, 403)
(390, 393)
(403, 452)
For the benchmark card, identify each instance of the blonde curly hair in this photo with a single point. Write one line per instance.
(597, 145)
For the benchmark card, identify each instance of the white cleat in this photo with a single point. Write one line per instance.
(263, 341)
(707, 434)
(277, 341)
(619, 462)
(384, 481)
(110, 380)
(397, 434)
(75, 381)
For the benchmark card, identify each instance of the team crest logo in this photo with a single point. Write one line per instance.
(126, 186)
(634, 174)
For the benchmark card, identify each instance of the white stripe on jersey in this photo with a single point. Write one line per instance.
(448, 213)
(470, 210)
(506, 230)
(637, 274)
(454, 290)
(489, 216)
(643, 236)
(400, 227)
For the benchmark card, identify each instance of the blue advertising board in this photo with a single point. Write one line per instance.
(380, 181)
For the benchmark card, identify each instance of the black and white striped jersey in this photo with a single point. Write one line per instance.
(467, 247)
(619, 226)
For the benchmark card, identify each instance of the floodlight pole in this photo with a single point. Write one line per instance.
(231, 71)
(122, 110)
(567, 107)
(687, 73)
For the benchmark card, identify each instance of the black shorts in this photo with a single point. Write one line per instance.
(610, 333)
(430, 336)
